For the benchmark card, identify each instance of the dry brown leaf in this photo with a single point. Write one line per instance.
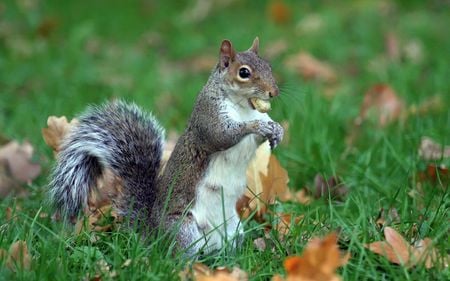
(95, 220)
(435, 173)
(300, 196)
(7, 183)
(11, 214)
(387, 217)
(260, 244)
(109, 189)
(392, 46)
(279, 11)
(332, 187)
(397, 250)
(267, 181)
(19, 161)
(431, 150)
(284, 224)
(201, 272)
(319, 261)
(18, 256)
(274, 49)
(57, 129)
(47, 26)
(257, 167)
(382, 104)
(311, 68)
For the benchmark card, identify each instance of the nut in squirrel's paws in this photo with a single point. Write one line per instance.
(261, 105)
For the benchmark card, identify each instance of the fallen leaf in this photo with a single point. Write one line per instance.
(387, 217)
(260, 244)
(257, 167)
(311, 68)
(19, 256)
(284, 224)
(19, 161)
(12, 214)
(392, 46)
(279, 12)
(57, 129)
(7, 183)
(310, 23)
(435, 173)
(46, 27)
(99, 220)
(267, 181)
(431, 150)
(274, 49)
(397, 250)
(109, 189)
(332, 188)
(300, 196)
(319, 261)
(201, 272)
(382, 104)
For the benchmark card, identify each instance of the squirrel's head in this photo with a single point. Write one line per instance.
(245, 73)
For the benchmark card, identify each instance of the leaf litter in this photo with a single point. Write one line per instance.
(397, 250)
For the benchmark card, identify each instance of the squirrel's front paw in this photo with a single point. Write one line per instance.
(271, 131)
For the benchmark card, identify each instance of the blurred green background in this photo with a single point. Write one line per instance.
(57, 57)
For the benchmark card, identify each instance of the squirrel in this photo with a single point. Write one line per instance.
(197, 191)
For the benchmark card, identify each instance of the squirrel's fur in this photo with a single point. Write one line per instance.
(205, 174)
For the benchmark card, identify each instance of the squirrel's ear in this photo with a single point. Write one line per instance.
(255, 46)
(227, 53)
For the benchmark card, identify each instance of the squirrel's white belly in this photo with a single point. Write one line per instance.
(223, 184)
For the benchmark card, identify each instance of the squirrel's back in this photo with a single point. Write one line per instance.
(118, 136)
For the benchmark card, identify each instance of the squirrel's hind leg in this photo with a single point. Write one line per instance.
(189, 237)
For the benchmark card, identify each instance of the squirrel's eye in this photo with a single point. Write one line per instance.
(244, 73)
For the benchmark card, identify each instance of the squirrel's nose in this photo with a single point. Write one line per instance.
(274, 92)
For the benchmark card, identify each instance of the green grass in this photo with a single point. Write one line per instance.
(98, 50)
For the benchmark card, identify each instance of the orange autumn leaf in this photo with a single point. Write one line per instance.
(285, 223)
(383, 104)
(201, 272)
(397, 250)
(319, 262)
(57, 129)
(310, 67)
(279, 12)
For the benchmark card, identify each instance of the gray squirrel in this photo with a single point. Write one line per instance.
(197, 191)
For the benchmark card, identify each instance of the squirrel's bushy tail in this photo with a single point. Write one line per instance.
(118, 136)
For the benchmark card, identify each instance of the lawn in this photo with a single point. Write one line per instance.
(56, 58)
